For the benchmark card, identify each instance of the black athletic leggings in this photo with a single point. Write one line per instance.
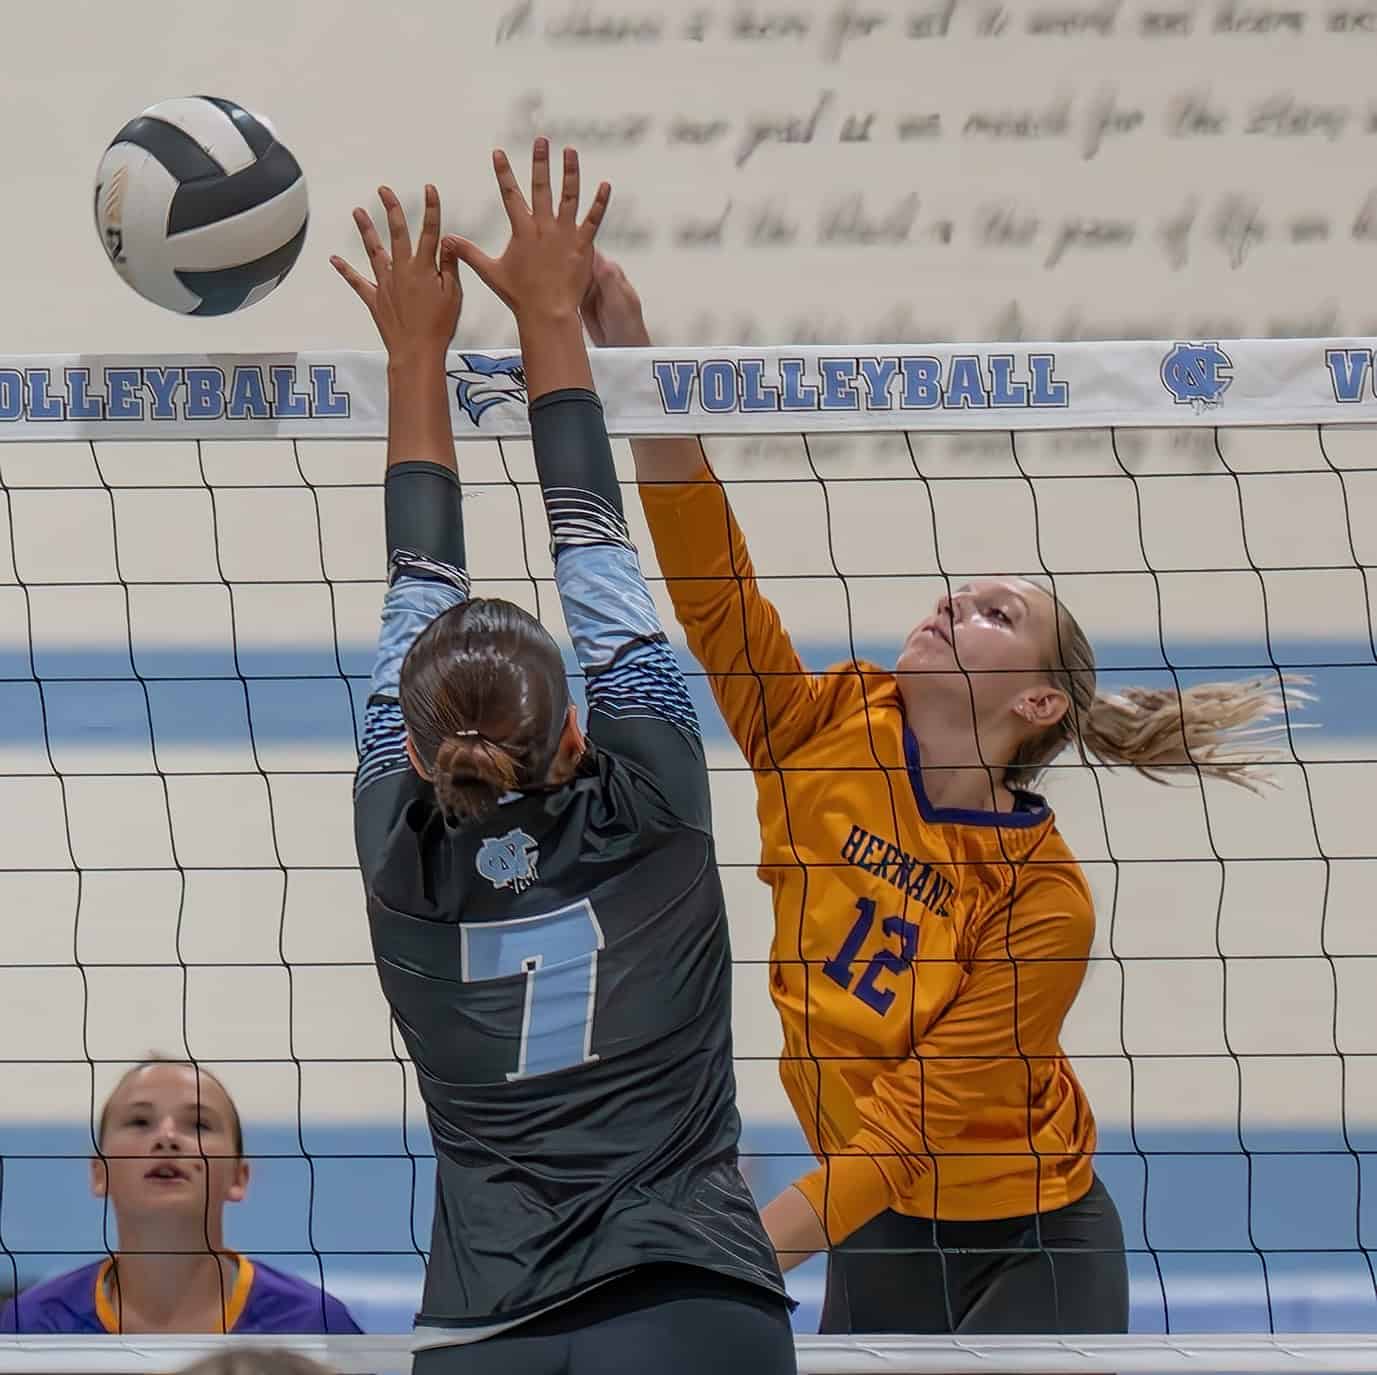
(669, 1319)
(1061, 1271)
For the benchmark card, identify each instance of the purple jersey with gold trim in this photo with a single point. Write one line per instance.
(263, 1300)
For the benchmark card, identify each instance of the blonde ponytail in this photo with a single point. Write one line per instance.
(1217, 728)
(1221, 730)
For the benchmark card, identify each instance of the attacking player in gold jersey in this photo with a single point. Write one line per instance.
(931, 925)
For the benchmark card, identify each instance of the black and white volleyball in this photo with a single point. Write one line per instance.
(199, 207)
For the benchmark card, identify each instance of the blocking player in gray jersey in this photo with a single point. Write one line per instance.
(546, 912)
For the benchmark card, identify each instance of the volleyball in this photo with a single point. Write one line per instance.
(199, 208)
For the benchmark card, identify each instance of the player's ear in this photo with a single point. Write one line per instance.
(239, 1186)
(415, 758)
(1042, 706)
(100, 1177)
(572, 745)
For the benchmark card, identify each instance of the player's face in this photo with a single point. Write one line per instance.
(995, 631)
(169, 1144)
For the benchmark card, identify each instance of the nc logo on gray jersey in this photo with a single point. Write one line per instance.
(508, 861)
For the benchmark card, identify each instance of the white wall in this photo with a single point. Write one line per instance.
(1194, 232)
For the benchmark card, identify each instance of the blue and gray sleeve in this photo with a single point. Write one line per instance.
(426, 577)
(638, 699)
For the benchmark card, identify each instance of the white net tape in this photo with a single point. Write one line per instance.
(729, 391)
(1310, 1351)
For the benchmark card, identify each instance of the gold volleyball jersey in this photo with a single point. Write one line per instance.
(923, 960)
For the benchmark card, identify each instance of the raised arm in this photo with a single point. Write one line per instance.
(638, 702)
(770, 701)
(414, 300)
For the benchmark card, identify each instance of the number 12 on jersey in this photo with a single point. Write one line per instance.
(838, 968)
(558, 953)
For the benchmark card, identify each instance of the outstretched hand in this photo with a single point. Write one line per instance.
(611, 308)
(547, 265)
(415, 296)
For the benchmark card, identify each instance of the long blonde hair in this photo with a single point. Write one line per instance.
(1219, 730)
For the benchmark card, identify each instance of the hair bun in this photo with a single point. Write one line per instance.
(469, 775)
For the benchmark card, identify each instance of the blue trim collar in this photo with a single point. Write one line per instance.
(1031, 810)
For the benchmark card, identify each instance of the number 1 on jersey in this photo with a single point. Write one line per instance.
(558, 953)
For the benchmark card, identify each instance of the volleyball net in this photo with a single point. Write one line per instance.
(190, 575)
